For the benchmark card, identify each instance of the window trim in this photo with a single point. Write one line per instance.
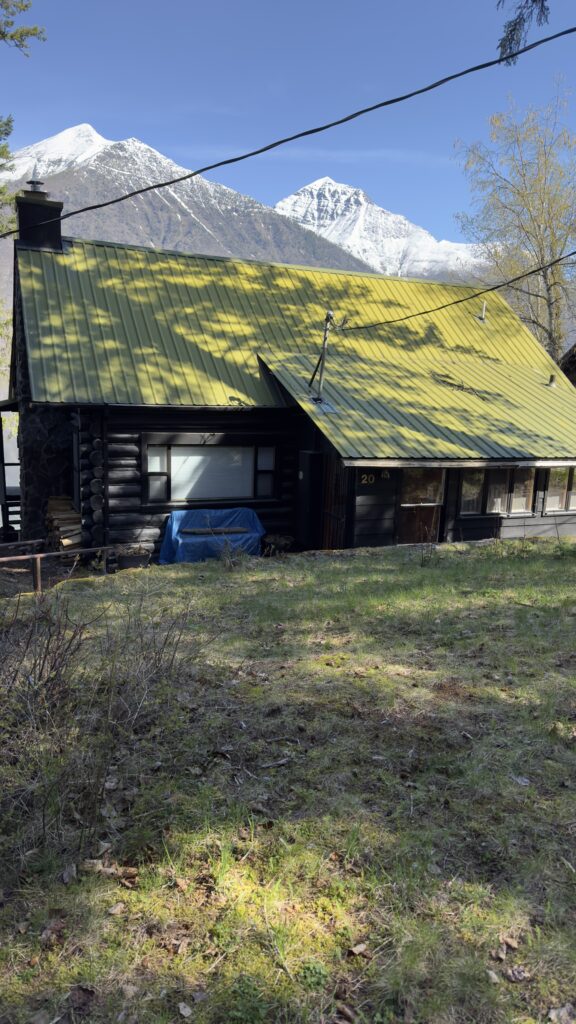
(208, 440)
(566, 511)
(507, 513)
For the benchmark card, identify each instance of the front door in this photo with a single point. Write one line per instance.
(421, 500)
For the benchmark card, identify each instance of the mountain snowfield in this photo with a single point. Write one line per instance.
(82, 167)
(388, 242)
(67, 149)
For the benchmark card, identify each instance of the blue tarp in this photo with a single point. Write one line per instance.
(184, 547)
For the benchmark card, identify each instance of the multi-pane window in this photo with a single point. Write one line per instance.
(561, 491)
(497, 492)
(188, 472)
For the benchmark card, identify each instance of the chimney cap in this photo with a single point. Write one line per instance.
(35, 185)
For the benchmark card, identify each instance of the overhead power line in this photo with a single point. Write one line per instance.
(307, 133)
(465, 298)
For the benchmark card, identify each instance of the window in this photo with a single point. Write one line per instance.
(472, 492)
(561, 491)
(422, 487)
(522, 495)
(497, 499)
(503, 492)
(209, 472)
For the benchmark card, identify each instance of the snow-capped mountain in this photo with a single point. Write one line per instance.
(81, 168)
(67, 149)
(387, 242)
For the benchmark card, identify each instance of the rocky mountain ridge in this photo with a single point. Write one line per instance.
(388, 242)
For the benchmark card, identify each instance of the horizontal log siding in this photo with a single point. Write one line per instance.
(131, 520)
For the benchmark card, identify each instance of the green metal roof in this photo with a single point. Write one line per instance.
(464, 408)
(120, 325)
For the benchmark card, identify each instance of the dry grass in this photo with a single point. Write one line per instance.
(314, 789)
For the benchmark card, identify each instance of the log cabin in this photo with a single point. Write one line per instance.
(346, 409)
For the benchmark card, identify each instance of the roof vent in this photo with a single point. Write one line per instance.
(552, 381)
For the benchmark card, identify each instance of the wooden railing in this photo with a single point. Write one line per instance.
(36, 558)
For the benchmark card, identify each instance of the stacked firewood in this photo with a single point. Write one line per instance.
(64, 523)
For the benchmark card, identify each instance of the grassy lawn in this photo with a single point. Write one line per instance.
(327, 788)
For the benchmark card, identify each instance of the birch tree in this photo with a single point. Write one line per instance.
(523, 187)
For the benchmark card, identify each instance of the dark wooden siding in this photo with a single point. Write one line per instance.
(114, 505)
(374, 507)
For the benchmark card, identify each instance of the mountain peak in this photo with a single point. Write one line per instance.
(68, 148)
(388, 242)
(329, 185)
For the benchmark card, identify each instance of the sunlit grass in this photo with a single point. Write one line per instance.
(357, 791)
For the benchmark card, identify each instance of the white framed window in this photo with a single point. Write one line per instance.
(560, 490)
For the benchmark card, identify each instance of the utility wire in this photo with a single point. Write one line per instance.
(457, 302)
(307, 133)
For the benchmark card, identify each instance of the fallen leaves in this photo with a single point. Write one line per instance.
(520, 780)
(127, 876)
(182, 884)
(517, 973)
(345, 1013)
(53, 933)
(563, 1014)
(360, 949)
(117, 909)
(499, 953)
(69, 874)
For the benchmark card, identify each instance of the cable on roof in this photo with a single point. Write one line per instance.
(466, 298)
(308, 132)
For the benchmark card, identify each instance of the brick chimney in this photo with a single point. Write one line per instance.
(33, 207)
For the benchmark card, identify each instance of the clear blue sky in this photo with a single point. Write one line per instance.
(203, 80)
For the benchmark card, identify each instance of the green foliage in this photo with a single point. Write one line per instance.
(523, 187)
(516, 28)
(15, 35)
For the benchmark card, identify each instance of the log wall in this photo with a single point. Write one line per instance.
(112, 485)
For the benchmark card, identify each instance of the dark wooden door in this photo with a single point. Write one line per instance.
(335, 503)
(419, 524)
(420, 508)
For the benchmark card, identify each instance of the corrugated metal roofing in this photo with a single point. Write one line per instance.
(462, 408)
(119, 325)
